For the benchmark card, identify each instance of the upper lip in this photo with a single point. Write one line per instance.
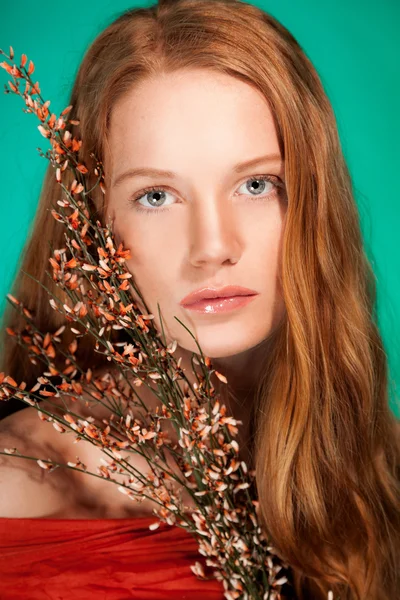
(209, 292)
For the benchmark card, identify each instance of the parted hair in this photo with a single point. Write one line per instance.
(326, 443)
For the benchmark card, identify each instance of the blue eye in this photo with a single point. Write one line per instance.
(160, 192)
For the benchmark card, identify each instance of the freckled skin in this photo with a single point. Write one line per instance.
(213, 230)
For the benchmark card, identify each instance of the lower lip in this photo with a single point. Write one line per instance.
(220, 305)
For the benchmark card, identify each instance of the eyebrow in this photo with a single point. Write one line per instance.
(150, 172)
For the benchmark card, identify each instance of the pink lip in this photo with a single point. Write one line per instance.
(219, 305)
(216, 294)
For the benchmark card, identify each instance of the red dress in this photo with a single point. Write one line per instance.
(100, 559)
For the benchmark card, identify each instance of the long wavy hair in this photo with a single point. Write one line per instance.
(326, 443)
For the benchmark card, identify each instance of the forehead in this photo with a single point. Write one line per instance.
(191, 115)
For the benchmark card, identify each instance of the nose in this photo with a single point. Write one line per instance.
(214, 236)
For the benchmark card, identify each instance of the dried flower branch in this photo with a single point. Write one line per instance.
(92, 274)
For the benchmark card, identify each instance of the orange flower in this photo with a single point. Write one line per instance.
(81, 168)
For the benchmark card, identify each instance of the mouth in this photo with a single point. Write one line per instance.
(211, 294)
(220, 304)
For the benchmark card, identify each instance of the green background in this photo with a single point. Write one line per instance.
(354, 47)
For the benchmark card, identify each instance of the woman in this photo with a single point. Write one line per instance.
(197, 89)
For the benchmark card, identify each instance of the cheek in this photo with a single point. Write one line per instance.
(266, 248)
(143, 249)
(154, 246)
(139, 264)
(266, 263)
(152, 267)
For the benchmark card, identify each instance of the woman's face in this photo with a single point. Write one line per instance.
(209, 224)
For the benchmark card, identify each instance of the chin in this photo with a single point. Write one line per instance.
(222, 348)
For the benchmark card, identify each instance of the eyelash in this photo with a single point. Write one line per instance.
(278, 185)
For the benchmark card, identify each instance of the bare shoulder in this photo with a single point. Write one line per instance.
(27, 490)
